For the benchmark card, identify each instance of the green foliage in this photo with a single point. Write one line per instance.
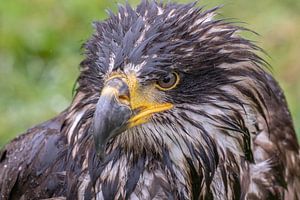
(40, 51)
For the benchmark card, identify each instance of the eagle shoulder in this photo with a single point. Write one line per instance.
(32, 165)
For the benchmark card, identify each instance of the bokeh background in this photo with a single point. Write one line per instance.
(40, 50)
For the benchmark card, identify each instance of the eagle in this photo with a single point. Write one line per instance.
(171, 103)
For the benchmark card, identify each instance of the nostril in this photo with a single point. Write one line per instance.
(124, 99)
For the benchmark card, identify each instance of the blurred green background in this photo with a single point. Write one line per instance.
(40, 50)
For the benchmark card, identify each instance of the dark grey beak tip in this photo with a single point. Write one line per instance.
(100, 148)
(101, 154)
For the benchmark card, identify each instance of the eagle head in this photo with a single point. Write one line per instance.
(156, 72)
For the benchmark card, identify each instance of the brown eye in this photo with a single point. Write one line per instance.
(168, 82)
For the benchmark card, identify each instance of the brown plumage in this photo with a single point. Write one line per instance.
(170, 104)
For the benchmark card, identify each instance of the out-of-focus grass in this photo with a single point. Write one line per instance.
(40, 51)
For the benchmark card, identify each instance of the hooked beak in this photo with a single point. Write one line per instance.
(123, 104)
(112, 113)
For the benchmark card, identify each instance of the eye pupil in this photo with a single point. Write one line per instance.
(167, 79)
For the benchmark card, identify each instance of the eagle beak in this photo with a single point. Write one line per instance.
(112, 113)
(122, 105)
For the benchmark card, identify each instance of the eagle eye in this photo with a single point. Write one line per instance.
(168, 82)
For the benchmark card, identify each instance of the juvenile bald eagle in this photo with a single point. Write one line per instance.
(171, 104)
